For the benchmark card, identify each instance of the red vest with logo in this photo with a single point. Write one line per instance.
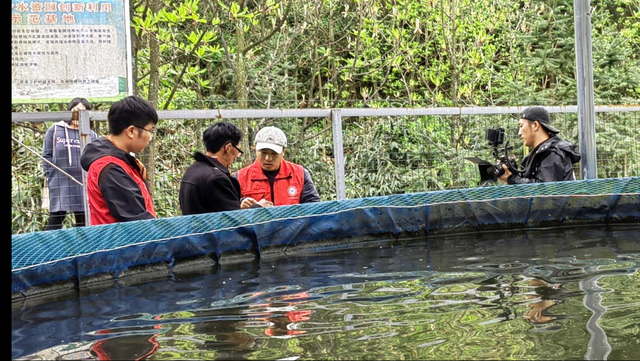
(287, 186)
(97, 205)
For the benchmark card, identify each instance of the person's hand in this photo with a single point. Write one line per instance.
(503, 178)
(247, 203)
(265, 203)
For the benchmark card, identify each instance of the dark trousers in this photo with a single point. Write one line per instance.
(56, 219)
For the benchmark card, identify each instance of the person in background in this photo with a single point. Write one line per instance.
(551, 159)
(62, 148)
(115, 178)
(273, 178)
(207, 186)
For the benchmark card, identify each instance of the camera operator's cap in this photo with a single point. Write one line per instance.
(271, 138)
(541, 115)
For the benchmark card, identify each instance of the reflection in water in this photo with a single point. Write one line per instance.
(524, 296)
(599, 347)
(539, 310)
(281, 316)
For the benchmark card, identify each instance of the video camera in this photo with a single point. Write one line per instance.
(490, 172)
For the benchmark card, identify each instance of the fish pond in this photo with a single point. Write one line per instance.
(554, 294)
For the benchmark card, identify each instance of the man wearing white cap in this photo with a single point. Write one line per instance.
(273, 178)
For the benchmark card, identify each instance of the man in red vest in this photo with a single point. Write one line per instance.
(116, 185)
(273, 178)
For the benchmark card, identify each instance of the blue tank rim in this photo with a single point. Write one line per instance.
(78, 259)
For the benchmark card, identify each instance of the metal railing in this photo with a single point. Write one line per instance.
(369, 152)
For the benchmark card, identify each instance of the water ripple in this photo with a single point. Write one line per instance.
(452, 302)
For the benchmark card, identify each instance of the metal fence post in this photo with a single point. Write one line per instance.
(85, 138)
(338, 153)
(584, 74)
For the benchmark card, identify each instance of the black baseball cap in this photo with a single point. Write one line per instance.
(541, 115)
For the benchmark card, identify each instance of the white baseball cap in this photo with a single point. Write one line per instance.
(271, 138)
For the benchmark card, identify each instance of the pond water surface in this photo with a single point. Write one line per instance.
(546, 294)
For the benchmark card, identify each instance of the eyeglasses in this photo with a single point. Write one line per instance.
(238, 149)
(152, 131)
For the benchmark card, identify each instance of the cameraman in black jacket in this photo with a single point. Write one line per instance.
(551, 159)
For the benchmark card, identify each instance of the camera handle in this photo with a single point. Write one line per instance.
(511, 164)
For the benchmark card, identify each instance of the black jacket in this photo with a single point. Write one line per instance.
(207, 187)
(550, 161)
(121, 192)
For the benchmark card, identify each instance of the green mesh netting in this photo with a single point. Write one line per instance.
(79, 253)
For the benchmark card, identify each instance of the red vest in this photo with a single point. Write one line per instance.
(287, 185)
(98, 208)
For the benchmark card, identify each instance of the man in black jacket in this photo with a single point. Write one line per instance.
(207, 185)
(551, 159)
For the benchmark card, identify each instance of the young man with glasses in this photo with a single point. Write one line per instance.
(207, 186)
(115, 178)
